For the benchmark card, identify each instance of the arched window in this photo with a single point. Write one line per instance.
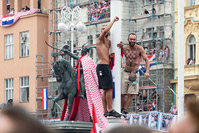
(191, 2)
(191, 50)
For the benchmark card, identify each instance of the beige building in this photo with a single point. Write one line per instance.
(21, 45)
(191, 44)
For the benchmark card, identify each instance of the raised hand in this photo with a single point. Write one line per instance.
(116, 18)
(120, 45)
(146, 75)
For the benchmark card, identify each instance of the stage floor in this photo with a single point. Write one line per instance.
(71, 126)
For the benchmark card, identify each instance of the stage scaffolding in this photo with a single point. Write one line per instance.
(151, 29)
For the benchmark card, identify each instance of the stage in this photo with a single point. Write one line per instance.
(71, 126)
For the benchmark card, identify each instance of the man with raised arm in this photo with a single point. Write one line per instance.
(103, 70)
(130, 76)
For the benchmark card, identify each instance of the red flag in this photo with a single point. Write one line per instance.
(95, 124)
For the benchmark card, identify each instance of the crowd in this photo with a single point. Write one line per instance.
(17, 120)
(153, 11)
(190, 61)
(173, 109)
(12, 10)
(145, 102)
(161, 54)
(99, 10)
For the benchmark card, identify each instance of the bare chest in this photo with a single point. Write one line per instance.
(103, 43)
(132, 54)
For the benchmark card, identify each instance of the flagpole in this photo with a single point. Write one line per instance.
(115, 39)
(180, 58)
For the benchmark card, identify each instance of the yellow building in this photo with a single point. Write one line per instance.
(191, 45)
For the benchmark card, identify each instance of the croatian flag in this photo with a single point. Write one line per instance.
(152, 57)
(142, 69)
(96, 128)
(44, 99)
(8, 19)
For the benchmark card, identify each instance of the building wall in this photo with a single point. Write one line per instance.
(19, 66)
(26, 3)
(191, 27)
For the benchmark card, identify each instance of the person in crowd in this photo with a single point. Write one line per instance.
(144, 96)
(188, 61)
(175, 110)
(27, 8)
(171, 109)
(154, 96)
(190, 121)
(17, 120)
(146, 50)
(153, 11)
(166, 53)
(145, 11)
(161, 54)
(191, 62)
(153, 49)
(12, 11)
(22, 9)
(8, 11)
(189, 98)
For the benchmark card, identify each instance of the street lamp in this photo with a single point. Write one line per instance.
(70, 21)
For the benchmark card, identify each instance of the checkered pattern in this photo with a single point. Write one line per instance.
(94, 95)
(130, 54)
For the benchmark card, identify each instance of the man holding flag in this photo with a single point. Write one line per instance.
(130, 75)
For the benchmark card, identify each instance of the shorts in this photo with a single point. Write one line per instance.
(127, 87)
(104, 74)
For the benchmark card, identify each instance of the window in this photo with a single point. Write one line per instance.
(191, 48)
(24, 44)
(24, 89)
(160, 1)
(148, 2)
(191, 2)
(9, 85)
(9, 46)
(161, 31)
(81, 1)
(90, 39)
(150, 32)
(39, 4)
(8, 4)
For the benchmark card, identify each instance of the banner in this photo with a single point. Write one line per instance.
(154, 120)
(10, 19)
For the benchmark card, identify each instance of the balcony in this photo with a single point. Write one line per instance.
(191, 76)
(191, 12)
(99, 11)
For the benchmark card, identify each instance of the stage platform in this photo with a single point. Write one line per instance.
(71, 126)
(79, 127)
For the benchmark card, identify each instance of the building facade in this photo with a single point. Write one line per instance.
(21, 44)
(191, 27)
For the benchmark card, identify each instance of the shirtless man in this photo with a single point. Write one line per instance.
(103, 70)
(130, 76)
